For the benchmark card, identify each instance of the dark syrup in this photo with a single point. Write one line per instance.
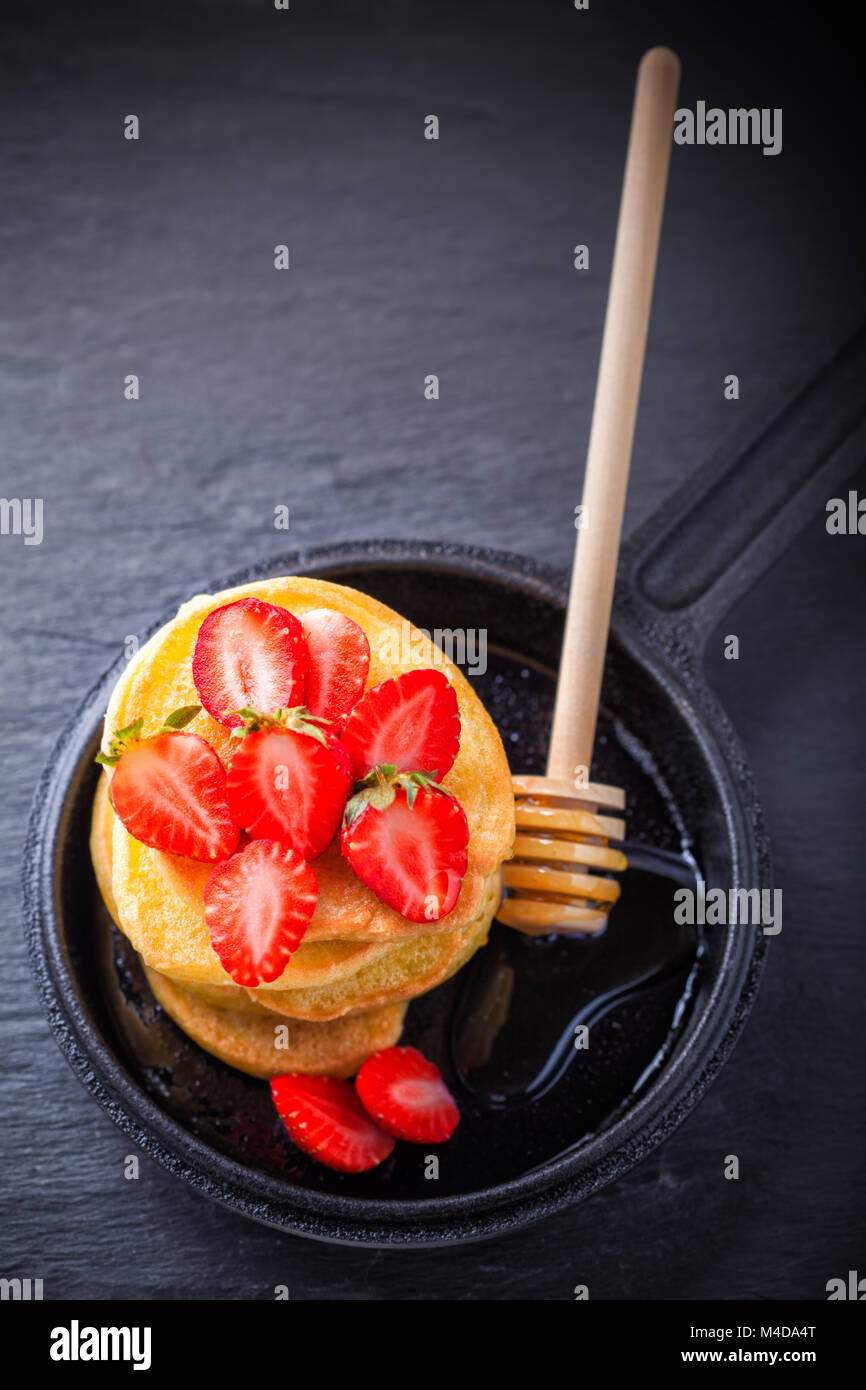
(536, 1019)
(518, 1024)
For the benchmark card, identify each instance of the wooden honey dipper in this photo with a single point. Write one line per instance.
(562, 849)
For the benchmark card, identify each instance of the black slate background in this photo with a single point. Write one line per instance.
(306, 389)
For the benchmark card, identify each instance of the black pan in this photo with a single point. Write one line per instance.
(544, 1124)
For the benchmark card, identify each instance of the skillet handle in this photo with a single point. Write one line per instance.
(720, 532)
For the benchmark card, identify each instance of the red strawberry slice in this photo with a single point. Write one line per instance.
(170, 793)
(257, 906)
(410, 721)
(326, 1119)
(406, 838)
(249, 653)
(288, 781)
(339, 662)
(406, 1096)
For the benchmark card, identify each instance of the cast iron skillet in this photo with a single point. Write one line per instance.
(654, 1049)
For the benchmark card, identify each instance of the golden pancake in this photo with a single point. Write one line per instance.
(251, 1043)
(399, 972)
(408, 968)
(230, 996)
(344, 989)
(170, 934)
(403, 971)
(328, 1049)
(101, 832)
(158, 896)
(314, 963)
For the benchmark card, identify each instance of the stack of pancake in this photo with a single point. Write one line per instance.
(345, 990)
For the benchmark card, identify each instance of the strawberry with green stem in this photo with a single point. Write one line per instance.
(170, 789)
(406, 838)
(288, 779)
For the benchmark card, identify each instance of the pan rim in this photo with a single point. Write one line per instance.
(378, 1222)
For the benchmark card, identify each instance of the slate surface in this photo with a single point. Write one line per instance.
(305, 389)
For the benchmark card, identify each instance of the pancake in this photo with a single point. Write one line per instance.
(409, 968)
(314, 963)
(344, 991)
(405, 970)
(170, 934)
(244, 1037)
(401, 971)
(158, 896)
(101, 833)
(249, 1043)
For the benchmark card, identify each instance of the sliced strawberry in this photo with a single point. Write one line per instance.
(170, 790)
(249, 653)
(339, 662)
(406, 1096)
(326, 1119)
(257, 906)
(406, 838)
(289, 780)
(410, 721)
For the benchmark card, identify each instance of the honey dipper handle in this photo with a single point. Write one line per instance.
(613, 416)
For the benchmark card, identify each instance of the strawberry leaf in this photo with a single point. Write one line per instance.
(412, 781)
(179, 718)
(378, 789)
(383, 773)
(252, 715)
(120, 741)
(131, 732)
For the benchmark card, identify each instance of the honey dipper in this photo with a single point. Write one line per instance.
(557, 880)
